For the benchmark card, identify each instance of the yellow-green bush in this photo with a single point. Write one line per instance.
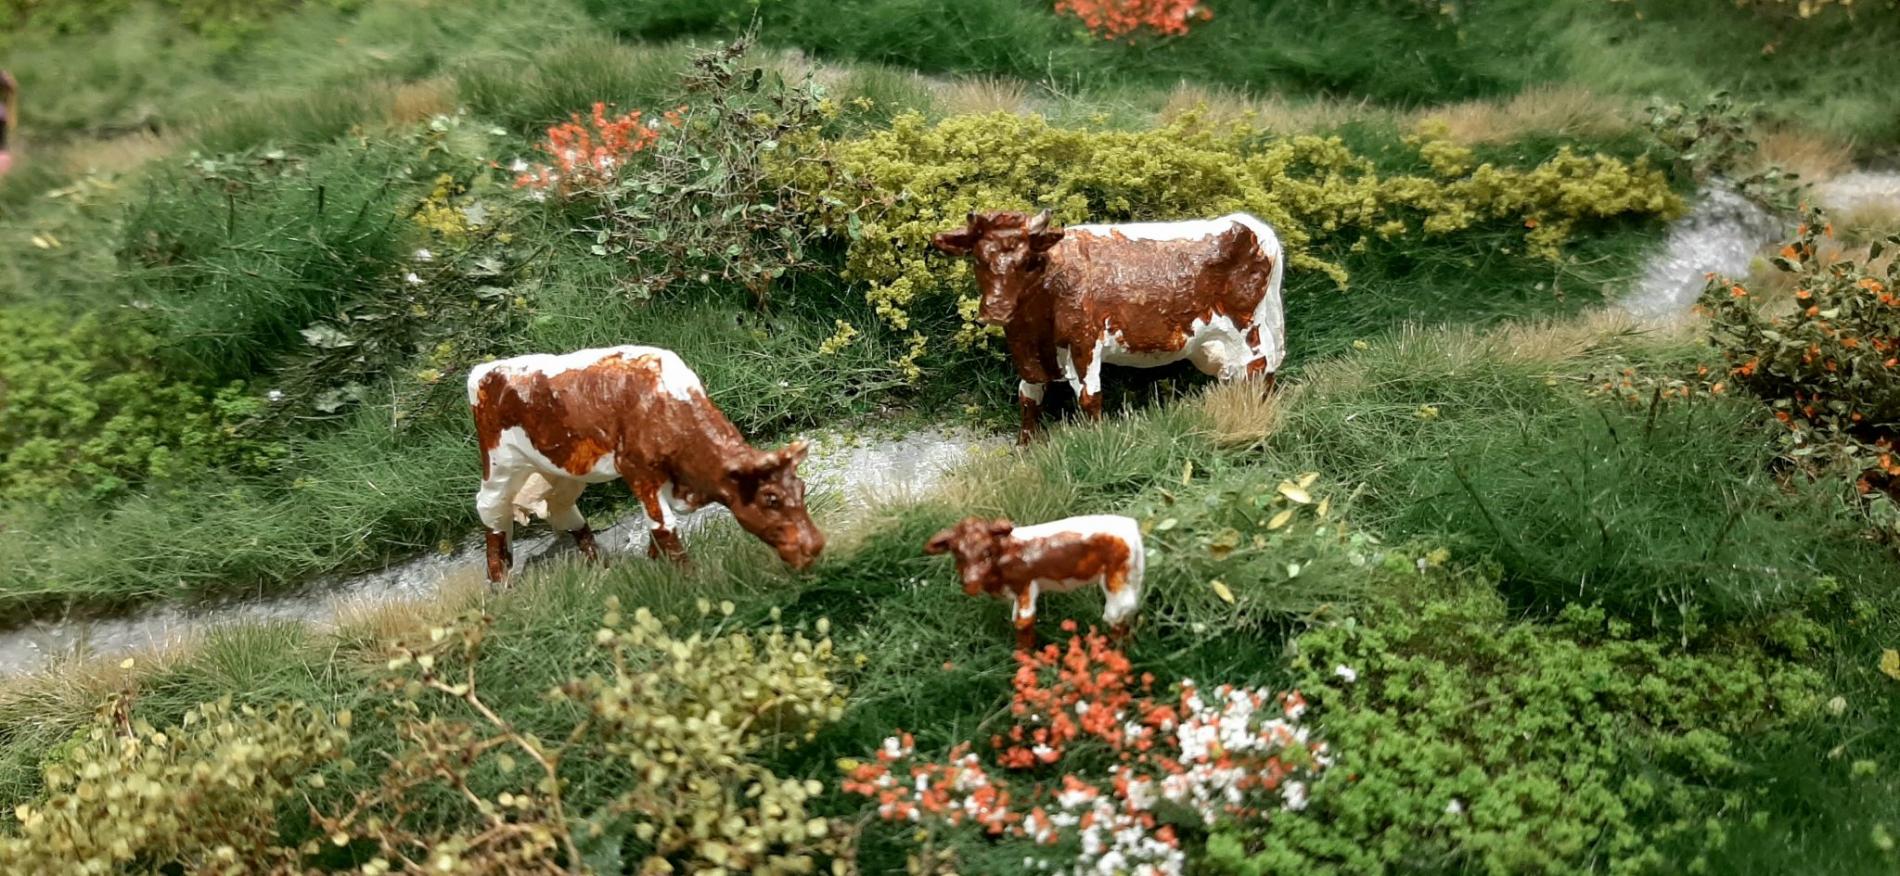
(888, 192)
(202, 795)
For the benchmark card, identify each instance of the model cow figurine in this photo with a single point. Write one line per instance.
(1146, 294)
(999, 558)
(637, 414)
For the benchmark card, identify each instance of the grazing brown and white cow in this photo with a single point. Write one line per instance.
(637, 414)
(1144, 294)
(999, 558)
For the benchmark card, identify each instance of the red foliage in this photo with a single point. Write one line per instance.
(1234, 753)
(1113, 19)
(588, 151)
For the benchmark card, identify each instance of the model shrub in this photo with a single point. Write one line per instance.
(885, 194)
(1829, 364)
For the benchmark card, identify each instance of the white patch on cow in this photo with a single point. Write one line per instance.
(1092, 381)
(1191, 229)
(1269, 316)
(676, 379)
(1119, 606)
(668, 507)
(1031, 391)
(1025, 609)
(1066, 362)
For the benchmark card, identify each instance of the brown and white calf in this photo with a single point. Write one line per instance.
(637, 414)
(1143, 294)
(999, 558)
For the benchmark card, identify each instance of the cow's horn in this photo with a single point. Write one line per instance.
(1040, 223)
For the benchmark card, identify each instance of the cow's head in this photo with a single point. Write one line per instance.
(1011, 251)
(769, 502)
(977, 544)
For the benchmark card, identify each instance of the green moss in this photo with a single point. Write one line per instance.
(1474, 742)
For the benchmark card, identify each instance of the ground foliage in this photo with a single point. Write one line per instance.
(1468, 740)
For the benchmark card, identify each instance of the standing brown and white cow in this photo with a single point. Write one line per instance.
(1143, 294)
(636, 414)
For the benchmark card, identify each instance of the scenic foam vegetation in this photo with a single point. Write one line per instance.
(1498, 579)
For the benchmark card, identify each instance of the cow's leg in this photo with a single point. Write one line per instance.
(1085, 375)
(1029, 402)
(1257, 362)
(655, 495)
(1023, 614)
(563, 515)
(495, 504)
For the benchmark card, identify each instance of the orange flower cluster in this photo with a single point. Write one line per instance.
(588, 151)
(1114, 19)
(1233, 754)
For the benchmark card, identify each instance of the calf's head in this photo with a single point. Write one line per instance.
(978, 545)
(1010, 251)
(769, 502)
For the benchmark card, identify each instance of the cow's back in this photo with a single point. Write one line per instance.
(574, 412)
(1153, 281)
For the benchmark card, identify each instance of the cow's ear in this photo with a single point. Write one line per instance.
(958, 242)
(1001, 527)
(940, 542)
(751, 465)
(1041, 236)
(794, 453)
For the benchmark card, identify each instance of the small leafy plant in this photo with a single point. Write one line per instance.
(688, 197)
(1830, 365)
(1714, 140)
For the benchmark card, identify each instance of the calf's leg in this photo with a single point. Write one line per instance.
(1023, 614)
(1121, 600)
(1257, 364)
(494, 503)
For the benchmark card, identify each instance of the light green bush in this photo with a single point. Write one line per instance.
(85, 412)
(202, 795)
(891, 190)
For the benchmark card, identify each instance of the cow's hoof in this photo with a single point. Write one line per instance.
(584, 542)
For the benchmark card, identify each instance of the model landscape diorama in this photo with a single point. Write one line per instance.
(1090, 436)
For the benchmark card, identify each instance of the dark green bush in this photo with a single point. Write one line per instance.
(236, 255)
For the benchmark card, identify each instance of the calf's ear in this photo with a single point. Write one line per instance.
(940, 542)
(1001, 527)
(794, 453)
